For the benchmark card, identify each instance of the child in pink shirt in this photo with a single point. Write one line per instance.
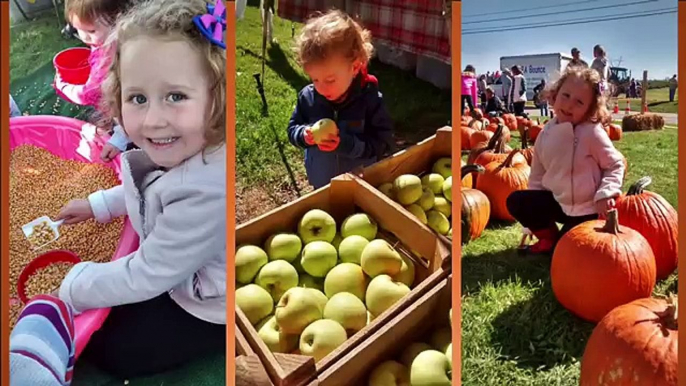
(469, 87)
(576, 172)
(93, 20)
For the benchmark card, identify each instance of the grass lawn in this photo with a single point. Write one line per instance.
(514, 332)
(32, 46)
(270, 171)
(657, 99)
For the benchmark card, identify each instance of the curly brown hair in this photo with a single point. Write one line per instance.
(92, 10)
(170, 20)
(333, 32)
(597, 111)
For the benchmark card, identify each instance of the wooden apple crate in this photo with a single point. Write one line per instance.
(417, 159)
(249, 368)
(345, 195)
(414, 323)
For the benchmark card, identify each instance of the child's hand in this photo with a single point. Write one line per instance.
(330, 144)
(604, 205)
(309, 139)
(75, 212)
(109, 152)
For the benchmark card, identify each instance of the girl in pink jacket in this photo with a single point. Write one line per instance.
(576, 172)
(93, 21)
(469, 87)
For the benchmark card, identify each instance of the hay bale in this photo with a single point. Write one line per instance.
(642, 122)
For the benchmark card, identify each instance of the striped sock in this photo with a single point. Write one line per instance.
(42, 344)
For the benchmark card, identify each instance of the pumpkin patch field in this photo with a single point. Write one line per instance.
(515, 330)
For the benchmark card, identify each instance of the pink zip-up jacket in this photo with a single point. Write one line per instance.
(469, 86)
(579, 165)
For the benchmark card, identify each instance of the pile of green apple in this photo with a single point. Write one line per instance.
(307, 292)
(420, 364)
(428, 198)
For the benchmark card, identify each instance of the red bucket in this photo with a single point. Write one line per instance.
(72, 65)
(42, 261)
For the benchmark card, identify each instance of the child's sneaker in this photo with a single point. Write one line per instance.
(547, 238)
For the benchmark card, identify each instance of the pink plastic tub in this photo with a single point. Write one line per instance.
(72, 139)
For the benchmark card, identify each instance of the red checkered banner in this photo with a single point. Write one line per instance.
(417, 26)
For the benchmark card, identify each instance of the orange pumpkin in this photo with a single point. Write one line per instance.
(634, 344)
(534, 131)
(527, 152)
(510, 121)
(475, 210)
(600, 265)
(499, 179)
(654, 218)
(495, 150)
(614, 132)
(478, 124)
(467, 181)
(479, 137)
(477, 114)
(505, 136)
(465, 135)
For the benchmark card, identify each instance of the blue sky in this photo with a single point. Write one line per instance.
(646, 43)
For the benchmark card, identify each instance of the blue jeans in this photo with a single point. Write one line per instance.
(544, 109)
(672, 92)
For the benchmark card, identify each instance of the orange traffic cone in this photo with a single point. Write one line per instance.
(627, 110)
(616, 109)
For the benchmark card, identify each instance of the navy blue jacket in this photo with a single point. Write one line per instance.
(365, 129)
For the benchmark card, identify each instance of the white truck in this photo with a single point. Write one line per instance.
(534, 68)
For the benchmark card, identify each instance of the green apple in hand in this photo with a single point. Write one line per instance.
(434, 181)
(390, 373)
(407, 188)
(406, 274)
(426, 201)
(348, 310)
(411, 352)
(443, 167)
(346, 277)
(283, 246)
(322, 129)
(255, 302)
(269, 331)
(298, 308)
(438, 222)
(322, 337)
(382, 293)
(431, 368)
(418, 212)
(317, 225)
(449, 354)
(277, 277)
(379, 257)
(359, 224)
(350, 250)
(318, 258)
(249, 260)
(448, 189)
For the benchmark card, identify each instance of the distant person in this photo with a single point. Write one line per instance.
(518, 91)
(506, 81)
(494, 106)
(570, 184)
(672, 88)
(602, 66)
(482, 90)
(576, 59)
(469, 87)
(632, 88)
(540, 98)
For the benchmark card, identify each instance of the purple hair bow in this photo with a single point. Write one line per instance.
(213, 23)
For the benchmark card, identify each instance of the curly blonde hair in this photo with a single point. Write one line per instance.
(92, 10)
(170, 20)
(330, 33)
(597, 111)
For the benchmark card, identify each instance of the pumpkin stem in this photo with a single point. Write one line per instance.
(638, 186)
(468, 169)
(508, 161)
(669, 317)
(493, 142)
(525, 138)
(612, 222)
